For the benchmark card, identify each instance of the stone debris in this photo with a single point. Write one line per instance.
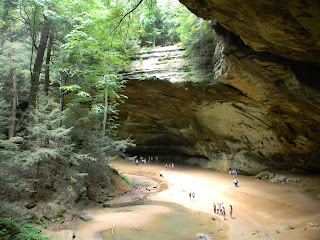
(277, 231)
(312, 224)
(289, 228)
(60, 235)
(264, 175)
(275, 178)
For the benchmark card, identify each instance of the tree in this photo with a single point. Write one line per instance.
(15, 77)
(49, 152)
(199, 39)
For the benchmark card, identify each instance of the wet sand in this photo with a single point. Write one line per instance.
(133, 216)
(262, 210)
(180, 223)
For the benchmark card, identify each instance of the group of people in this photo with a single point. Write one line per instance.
(170, 166)
(192, 196)
(144, 160)
(150, 159)
(220, 209)
(234, 173)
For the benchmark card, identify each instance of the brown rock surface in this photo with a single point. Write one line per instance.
(265, 125)
(288, 28)
(258, 112)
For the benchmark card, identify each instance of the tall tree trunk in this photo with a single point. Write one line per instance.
(62, 95)
(105, 115)
(34, 87)
(47, 72)
(12, 127)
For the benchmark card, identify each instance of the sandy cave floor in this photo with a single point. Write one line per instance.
(262, 210)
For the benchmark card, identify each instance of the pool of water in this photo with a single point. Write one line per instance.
(181, 223)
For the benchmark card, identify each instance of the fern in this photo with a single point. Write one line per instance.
(11, 230)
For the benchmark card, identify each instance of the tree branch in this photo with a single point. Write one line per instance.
(128, 14)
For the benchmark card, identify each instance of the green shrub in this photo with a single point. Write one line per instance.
(125, 179)
(11, 230)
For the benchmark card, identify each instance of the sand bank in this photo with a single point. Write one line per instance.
(262, 210)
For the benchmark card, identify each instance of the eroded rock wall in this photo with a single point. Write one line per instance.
(259, 110)
(287, 28)
(250, 119)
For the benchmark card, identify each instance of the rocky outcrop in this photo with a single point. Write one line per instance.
(53, 212)
(257, 116)
(288, 28)
(259, 110)
(59, 235)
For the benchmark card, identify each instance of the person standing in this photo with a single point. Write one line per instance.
(235, 181)
(156, 159)
(224, 213)
(172, 166)
(229, 171)
(214, 208)
(190, 196)
(218, 208)
(193, 196)
(230, 211)
(222, 206)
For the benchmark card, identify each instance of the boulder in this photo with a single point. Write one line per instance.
(278, 178)
(263, 175)
(312, 224)
(293, 180)
(59, 235)
(31, 205)
(86, 216)
(53, 212)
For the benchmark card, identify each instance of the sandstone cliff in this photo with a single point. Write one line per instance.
(261, 108)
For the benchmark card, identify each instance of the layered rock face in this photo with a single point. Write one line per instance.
(287, 28)
(260, 110)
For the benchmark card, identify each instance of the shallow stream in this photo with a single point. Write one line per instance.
(180, 223)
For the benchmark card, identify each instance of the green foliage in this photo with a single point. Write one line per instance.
(4, 116)
(12, 230)
(199, 39)
(90, 47)
(49, 152)
(103, 148)
(159, 23)
(125, 179)
(18, 213)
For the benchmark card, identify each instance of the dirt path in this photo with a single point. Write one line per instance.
(262, 210)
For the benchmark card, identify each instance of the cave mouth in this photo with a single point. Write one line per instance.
(168, 157)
